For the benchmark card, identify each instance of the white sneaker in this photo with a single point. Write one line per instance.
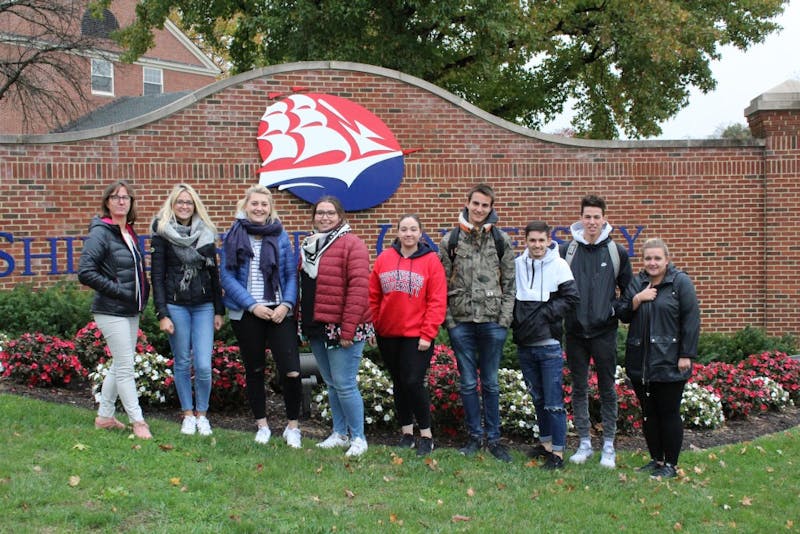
(334, 440)
(292, 437)
(608, 458)
(203, 426)
(189, 425)
(357, 447)
(582, 454)
(263, 435)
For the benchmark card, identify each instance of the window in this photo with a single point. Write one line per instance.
(153, 81)
(102, 77)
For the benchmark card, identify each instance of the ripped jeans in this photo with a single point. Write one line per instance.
(543, 368)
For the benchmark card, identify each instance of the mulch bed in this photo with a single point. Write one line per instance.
(735, 431)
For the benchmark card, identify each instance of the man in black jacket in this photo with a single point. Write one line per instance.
(602, 272)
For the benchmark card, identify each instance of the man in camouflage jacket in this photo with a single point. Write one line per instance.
(480, 301)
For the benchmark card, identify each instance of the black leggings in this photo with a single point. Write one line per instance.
(662, 425)
(407, 367)
(254, 336)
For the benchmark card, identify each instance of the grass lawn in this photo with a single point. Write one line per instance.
(59, 474)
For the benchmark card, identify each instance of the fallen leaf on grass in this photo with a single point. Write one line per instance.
(319, 470)
(531, 463)
(698, 470)
(456, 518)
(760, 449)
(677, 526)
(315, 498)
(37, 468)
(350, 494)
(136, 446)
(175, 481)
(431, 463)
(746, 501)
(770, 470)
(722, 463)
(712, 456)
(535, 495)
(393, 518)
(439, 502)
(259, 468)
(80, 447)
(74, 480)
(387, 478)
(789, 524)
(397, 460)
(743, 450)
(501, 486)
(166, 446)
(623, 477)
(470, 492)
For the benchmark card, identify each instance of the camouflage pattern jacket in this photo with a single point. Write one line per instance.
(480, 289)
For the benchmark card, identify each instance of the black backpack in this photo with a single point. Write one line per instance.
(452, 243)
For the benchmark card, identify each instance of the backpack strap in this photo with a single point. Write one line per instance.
(452, 243)
(613, 252)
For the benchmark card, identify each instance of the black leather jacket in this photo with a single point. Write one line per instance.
(166, 271)
(108, 267)
(661, 331)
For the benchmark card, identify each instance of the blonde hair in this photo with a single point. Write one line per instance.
(655, 242)
(258, 190)
(166, 214)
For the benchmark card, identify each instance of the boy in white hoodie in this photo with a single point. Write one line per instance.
(545, 291)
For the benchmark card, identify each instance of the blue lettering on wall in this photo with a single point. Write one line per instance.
(63, 248)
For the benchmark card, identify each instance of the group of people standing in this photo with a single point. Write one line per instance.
(475, 286)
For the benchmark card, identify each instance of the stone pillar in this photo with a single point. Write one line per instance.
(775, 117)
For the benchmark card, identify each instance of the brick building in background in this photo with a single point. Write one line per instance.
(172, 67)
(726, 208)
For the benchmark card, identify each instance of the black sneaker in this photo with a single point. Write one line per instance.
(407, 441)
(425, 446)
(471, 447)
(538, 451)
(665, 471)
(649, 467)
(499, 451)
(553, 462)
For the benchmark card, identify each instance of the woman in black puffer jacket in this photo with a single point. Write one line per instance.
(661, 306)
(111, 263)
(188, 297)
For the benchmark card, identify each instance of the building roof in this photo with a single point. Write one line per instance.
(121, 109)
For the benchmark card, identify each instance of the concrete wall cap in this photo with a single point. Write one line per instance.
(784, 96)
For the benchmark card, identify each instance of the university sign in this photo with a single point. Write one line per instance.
(62, 253)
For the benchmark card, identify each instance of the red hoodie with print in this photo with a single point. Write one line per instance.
(408, 296)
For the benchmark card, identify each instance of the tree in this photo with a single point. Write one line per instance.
(629, 63)
(42, 59)
(736, 130)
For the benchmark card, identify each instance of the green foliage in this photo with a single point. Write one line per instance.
(733, 348)
(627, 65)
(59, 310)
(736, 131)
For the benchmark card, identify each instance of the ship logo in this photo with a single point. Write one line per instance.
(316, 144)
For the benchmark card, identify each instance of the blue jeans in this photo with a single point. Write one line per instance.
(479, 347)
(339, 368)
(543, 369)
(193, 337)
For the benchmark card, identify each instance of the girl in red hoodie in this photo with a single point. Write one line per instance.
(408, 300)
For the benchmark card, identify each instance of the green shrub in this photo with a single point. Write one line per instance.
(733, 348)
(59, 310)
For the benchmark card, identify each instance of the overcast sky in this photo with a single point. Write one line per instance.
(741, 76)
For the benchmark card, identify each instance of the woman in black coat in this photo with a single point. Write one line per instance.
(661, 306)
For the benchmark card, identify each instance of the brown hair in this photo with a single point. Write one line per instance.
(112, 189)
(337, 205)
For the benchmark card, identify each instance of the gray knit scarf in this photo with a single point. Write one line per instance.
(186, 241)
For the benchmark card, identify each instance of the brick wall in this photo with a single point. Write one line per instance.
(718, 204)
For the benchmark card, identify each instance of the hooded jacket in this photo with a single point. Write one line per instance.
(408, 296)
(166, 271)
(546, 291)
(480, 287)
(117, 276)
(663, 330)
(598, 310)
